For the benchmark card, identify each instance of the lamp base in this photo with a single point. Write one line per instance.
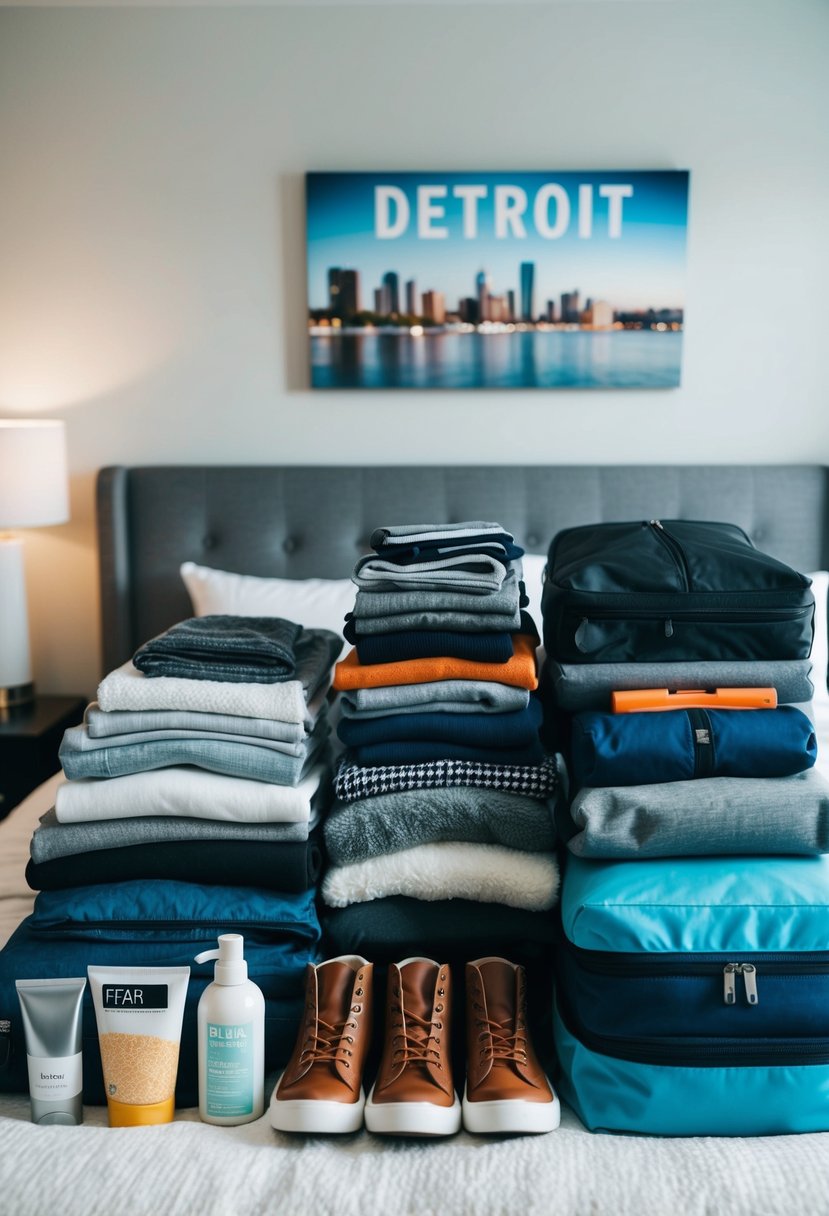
(16, 697)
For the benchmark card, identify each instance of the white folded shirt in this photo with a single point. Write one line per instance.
(190, 792)
(489, 873)
(127, 688)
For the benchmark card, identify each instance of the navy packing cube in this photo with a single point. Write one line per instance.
(682, 744)
(692, 996)
(671, 590)
(158, 924)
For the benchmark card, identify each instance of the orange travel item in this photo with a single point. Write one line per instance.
(639, 699)
(519, 671)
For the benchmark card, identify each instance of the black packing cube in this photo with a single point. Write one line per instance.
(671, 590)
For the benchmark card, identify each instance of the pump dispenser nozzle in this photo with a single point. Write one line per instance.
(231, 967)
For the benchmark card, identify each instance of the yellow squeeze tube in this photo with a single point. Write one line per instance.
(139, 1011)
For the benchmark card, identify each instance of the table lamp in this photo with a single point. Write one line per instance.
(33, 493)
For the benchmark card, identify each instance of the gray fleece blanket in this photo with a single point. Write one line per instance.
(355, 831)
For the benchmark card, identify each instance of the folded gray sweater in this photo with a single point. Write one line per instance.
(437, 696)
(392, 603)
(711, 816)
(52, 839)
(355, 831)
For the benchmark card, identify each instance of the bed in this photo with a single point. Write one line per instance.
(302, 522)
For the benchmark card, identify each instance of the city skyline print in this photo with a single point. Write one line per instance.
(496, 280)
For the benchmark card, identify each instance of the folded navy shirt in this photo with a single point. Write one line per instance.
(516, 729)
(424, 751)
(403, 645)
(678, 745)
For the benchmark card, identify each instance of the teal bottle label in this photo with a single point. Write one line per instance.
(229, 1069)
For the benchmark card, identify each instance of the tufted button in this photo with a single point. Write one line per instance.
(532, 539)
(209, 541)
(289, 544)
(759, 533)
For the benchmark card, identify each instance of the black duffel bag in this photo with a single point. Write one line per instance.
(671, 590)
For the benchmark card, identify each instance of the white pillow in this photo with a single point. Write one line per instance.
(316, 603)
(820, 646)
(534, 564)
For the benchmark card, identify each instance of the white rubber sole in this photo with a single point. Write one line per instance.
(314, 1116)
(511, 1115)
(412, 1118)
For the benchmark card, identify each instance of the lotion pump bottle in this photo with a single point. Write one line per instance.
(231, 1034)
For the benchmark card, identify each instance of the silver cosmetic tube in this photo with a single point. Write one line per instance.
(53, 1025)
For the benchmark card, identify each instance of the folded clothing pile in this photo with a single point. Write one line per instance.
(444, 791)
(205, 759)
(192, 806)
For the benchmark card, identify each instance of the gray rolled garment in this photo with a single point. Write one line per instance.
(578, 686)
(712, 816)
(388, 823)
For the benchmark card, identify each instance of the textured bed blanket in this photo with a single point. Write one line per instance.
(188, 1167)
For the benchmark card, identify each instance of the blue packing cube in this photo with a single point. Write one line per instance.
(681, 744)
(692, 995)
(158, 924)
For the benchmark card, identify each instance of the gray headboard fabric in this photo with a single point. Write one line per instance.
(306, 522)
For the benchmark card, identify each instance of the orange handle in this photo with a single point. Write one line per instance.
(643, 699)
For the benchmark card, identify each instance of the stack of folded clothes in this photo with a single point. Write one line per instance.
(444, 792)
(192, 804)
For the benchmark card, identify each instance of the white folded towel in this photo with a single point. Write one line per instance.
(191, 792)
(128, 688)
(489, 873)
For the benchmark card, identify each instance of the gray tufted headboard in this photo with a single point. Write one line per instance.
(304, 522)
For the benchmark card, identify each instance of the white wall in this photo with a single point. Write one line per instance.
(151, 231)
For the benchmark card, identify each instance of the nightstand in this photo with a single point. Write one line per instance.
(29, 742)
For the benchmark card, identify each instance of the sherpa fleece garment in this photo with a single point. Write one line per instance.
(441, 696)
(535, 781)
(188, 791)
(485, 872)
(519, 671)
(355, 831)
(580, 686)
(52, 839)
(709, 817)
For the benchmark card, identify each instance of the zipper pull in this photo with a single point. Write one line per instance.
(669, 628)
(729, 983)
(750, 981)
(655, 523)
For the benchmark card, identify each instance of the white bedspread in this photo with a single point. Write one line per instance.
(190, 1169)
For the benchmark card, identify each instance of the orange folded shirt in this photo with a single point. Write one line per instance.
(519, 671)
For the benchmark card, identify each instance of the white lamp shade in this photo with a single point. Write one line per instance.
(33, 475)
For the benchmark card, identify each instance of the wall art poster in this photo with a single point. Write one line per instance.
(496, 280)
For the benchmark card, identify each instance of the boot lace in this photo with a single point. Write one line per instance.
(505, 1042)
(322, 1043)
(415, 1034)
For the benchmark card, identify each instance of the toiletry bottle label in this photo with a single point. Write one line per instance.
(229, 1069)
(54, 1077)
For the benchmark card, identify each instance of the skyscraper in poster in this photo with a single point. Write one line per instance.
(527, 291)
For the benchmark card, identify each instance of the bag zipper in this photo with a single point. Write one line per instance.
(677, 966)
(675, 549)
(704, 618)
(80, 926)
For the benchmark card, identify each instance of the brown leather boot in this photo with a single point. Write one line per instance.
(321, 1087)
(506, 1087)
(413, 1094)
